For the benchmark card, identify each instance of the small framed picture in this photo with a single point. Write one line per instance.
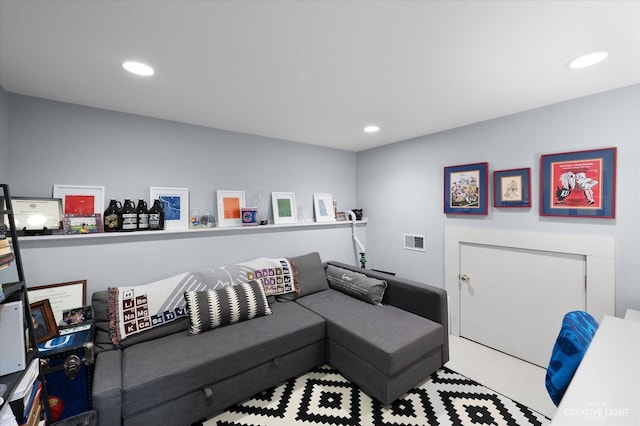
(284, 207)
(579, 184)
(512, 188)
(82, 224)
(77, 316)
(323, 207)
(465, 189)
(44, 323)
(80, 199)
(31, 213)
(175, 203)
(61, 296)
(230, 204)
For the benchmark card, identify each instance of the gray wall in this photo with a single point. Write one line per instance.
(4, 132)
(400, 186)
(58, 143)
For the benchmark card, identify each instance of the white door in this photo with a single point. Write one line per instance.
(513, 300)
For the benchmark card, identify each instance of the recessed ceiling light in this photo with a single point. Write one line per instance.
(588, 60)
(138, 68)
(371, 129)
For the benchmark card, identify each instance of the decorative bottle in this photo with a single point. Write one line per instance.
(156, 216)
(143, 215)
(110, 218)
(128, 216)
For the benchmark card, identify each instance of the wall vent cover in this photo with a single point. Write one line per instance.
(414, 242)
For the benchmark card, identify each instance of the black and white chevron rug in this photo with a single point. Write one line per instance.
(324, 397)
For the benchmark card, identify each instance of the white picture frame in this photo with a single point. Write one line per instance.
(175, 202)
(284, 207)
(323, 207)
(97, 192)
(228, 205)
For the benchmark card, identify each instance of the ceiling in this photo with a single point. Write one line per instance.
(317, 72)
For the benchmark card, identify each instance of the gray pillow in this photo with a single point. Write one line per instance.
(309, 273)
(356, 284)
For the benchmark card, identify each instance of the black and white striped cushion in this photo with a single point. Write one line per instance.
(214, 308)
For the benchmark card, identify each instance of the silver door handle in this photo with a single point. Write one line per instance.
(465, 278)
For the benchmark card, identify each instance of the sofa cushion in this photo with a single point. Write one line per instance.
(214, 308)
(309, 275)
(386, 337)
(162, 369)
(357, 285)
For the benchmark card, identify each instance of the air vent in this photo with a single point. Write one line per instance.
(414, 242)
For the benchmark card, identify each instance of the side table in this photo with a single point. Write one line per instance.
(67, 362)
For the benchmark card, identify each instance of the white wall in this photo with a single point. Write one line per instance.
(4, 132)
(58, 143)
(400, 186)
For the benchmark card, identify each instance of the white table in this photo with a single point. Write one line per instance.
(606, 387)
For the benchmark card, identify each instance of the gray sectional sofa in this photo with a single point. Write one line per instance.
(167, 376)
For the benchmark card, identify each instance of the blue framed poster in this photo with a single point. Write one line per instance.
(512, 188)
(579, 184)
(465, 189)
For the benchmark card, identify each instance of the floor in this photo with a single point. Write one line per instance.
(519, 380)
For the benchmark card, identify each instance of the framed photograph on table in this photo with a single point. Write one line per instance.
(78, 199)
(229, 205)
(284, 207)
(44, 323)
(579, 184)
(323, 207)
(465, 189)
(512, 188)
(61, 296)
(175, 203)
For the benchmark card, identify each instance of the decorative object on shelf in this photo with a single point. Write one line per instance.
(44, 323)
(77, 199)
(284, 207)
(323, 207)
(61, 296)
(229, 205)
(194, 219)
(143, 215)
(175, 204)
(156, 216)
(206, 219)
(111, 219)
(579, 184)
(127, 216)
(465, 189)
(512, 188)
(249, 216)
(82, 224)
(34, 215)
(357, 213)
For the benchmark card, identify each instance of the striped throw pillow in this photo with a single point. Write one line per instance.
(214, 308)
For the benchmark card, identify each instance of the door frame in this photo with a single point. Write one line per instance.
(599, 252)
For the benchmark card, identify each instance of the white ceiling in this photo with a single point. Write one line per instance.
(317, 72)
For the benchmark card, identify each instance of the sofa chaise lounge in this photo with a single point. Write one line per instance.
(168, 375)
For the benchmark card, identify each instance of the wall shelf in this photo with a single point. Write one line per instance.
(100, 238)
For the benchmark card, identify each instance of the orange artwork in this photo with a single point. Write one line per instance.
(231, 207)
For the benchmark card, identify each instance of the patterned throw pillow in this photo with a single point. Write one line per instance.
(214, 308)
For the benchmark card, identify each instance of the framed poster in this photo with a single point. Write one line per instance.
(579, 184)
(230, 204)
(512, 188)
(78, 199)
(284, 207)
(465, 189)
(61, 296)
(175, 203)
(323, 207)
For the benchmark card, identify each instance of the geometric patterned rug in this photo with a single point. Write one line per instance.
(323, 397)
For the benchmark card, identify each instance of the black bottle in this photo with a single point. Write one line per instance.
(111, 218)
(143, 215)
(156, 216)
(127, 216)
